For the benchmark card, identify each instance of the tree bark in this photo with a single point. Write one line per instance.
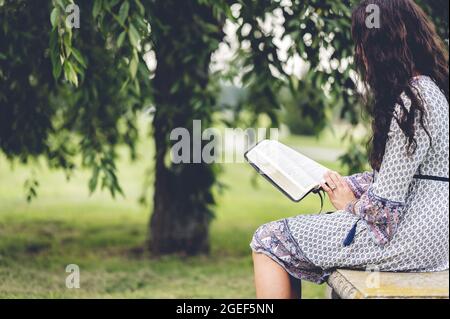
(183, 196)
(177, 224)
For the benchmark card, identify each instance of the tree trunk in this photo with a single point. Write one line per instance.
(178, 225)
(183, 197)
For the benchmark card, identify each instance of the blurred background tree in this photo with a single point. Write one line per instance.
(304, 112)
(68, 93)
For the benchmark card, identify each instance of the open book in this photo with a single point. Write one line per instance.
(291, 172)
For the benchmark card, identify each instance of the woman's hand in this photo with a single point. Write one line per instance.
(338, 190)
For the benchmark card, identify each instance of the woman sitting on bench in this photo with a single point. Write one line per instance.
(396, 217)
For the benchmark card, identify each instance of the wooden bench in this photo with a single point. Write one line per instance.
(351, 284)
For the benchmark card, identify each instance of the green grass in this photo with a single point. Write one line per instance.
(106, 238)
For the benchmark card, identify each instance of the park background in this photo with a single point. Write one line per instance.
(84, 121)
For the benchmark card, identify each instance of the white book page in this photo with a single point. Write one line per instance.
(273, 169)
(293, 172)
(302, 165)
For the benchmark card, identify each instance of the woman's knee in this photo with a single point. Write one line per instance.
(265, 237)
(258, 236)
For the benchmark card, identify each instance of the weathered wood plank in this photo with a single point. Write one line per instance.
(351, 284)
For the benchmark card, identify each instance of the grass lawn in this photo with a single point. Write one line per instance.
(106, 238)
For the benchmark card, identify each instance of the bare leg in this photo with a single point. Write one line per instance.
(272, 281)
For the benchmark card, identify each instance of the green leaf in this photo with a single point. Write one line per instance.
(121, 38)
(61, 4)
(123, 12)
(70, 73)
(79, 57)
(54, 17)
(97, 8)
(57, 70)
(94, 179)
(137, 87)
(67, 44)
(54, 54)
(133, 35)
(134, 63)
(140, 7)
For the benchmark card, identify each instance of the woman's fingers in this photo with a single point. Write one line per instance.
(329, 181)
(336, 178)
(328, 190)
(337, 189)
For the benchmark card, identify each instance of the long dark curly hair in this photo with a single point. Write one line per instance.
(388, 56)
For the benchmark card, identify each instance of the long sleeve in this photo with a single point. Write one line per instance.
(384, 202)
(359, 183)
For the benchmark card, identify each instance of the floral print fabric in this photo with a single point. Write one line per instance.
(381, 215)
(359, 183)
(275, 241)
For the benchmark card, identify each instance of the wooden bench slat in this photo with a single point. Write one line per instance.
(351, 284)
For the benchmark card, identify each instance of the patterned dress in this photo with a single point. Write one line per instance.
(401, 221)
